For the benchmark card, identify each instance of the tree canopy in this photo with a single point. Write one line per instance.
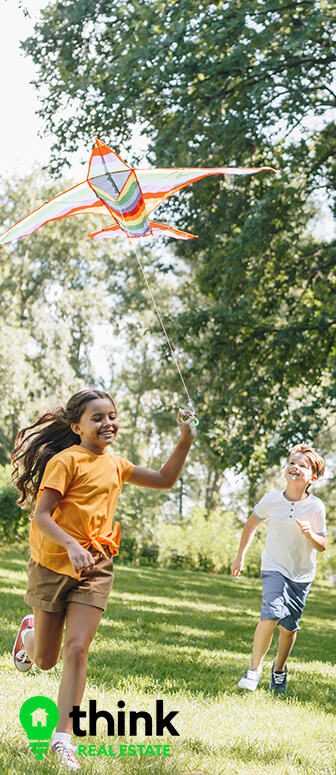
(209, 84)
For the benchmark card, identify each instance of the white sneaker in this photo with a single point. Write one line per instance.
(65, 752)
(249, 680)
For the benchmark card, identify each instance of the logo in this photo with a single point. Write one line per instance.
(39, 716)
(39, 731)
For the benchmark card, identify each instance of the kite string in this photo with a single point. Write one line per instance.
(162, 325)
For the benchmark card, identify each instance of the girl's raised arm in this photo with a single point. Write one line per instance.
(169, 473)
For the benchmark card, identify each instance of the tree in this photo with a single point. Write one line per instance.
(52, 292)
(241, 82)
(213, 77)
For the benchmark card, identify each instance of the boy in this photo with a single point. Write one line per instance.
(296, 530)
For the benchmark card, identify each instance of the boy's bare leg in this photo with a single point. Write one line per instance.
(262, 641)
(286, 642)
(81, 626)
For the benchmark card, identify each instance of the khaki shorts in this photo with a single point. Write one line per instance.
(52, 591)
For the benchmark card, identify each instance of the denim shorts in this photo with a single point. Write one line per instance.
(283, 600)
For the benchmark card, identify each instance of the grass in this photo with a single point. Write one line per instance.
(185, 638)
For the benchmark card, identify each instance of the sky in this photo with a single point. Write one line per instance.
(20, 145)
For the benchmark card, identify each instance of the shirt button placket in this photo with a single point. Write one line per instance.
(291, 510)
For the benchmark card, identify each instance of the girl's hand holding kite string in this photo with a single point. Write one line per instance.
(170, 471)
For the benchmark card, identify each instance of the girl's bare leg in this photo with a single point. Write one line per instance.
(262, 640)
(43, 643)
(81, 626)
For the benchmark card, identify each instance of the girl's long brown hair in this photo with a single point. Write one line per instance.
(35, 445)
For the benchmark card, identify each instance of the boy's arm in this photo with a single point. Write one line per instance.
(169, 473)
(247, 536)
(317, 542)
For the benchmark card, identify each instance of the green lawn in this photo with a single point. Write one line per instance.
(185, 638)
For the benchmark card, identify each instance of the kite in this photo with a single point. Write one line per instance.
(128, 195)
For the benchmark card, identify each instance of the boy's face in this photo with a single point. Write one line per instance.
(298, 469)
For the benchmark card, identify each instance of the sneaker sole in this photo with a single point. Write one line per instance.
(248, 688)
(277, 689)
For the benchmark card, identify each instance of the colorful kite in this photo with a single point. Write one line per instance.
(126, 194)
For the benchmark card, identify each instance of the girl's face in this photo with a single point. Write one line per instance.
(98, 425)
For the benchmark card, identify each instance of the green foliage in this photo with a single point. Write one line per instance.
(211, 84)
(57, 289)
(148, 554)
(206, 542)
(128, 550)
(14, 523)
(203, 76)
(46, 312)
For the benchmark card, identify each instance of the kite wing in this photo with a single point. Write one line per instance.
(77, 200)
(158, 184)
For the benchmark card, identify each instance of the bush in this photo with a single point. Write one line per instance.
(207, 543)
(178, 560)
(149, 554)
(128, 550)
(205, 563)
(14, 521)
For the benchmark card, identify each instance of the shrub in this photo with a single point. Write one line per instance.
(207, 542)
(178, 560)
(13, 520)
(149, 554)
(128, 550)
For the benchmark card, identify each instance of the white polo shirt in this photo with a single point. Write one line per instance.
(286, 549)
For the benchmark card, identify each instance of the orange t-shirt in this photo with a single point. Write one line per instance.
(90, 486)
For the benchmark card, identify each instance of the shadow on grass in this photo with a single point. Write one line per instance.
(177, 631)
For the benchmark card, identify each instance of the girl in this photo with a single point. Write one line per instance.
(76, 484)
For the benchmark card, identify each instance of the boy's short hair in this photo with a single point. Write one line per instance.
(316, 461)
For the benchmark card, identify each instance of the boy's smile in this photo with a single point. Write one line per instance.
(98, 425)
